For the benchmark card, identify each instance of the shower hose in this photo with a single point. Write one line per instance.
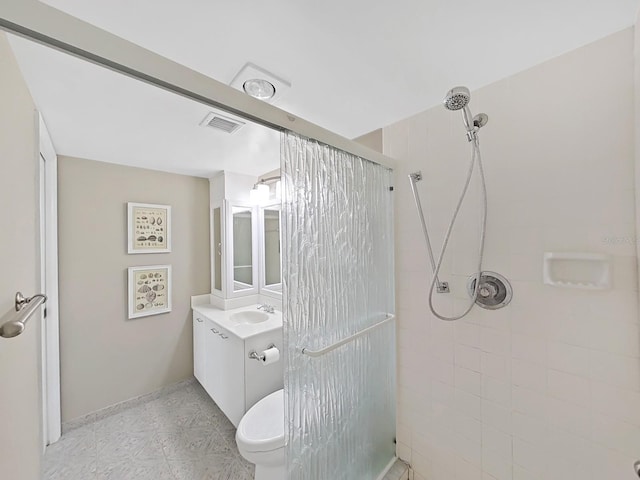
(475, 158)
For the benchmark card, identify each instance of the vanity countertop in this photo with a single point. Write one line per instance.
(241, 329)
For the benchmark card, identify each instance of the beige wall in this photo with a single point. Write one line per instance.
(20, 395)
(106, 358)
(549, 387)
(373, 140)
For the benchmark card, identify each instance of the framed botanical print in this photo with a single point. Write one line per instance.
(148, 228)
(149, 290)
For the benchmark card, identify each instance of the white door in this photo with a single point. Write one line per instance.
(49, 285)
(20, 429)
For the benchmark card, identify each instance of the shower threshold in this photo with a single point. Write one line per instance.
(396, 470)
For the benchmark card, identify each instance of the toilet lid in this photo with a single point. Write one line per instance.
(262, 427)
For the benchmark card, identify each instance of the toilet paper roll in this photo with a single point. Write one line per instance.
(270, 355)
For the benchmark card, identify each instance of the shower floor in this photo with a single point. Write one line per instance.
(179, 435)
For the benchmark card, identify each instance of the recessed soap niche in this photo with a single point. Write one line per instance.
(590, 271)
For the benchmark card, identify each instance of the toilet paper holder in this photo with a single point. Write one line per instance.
(257, 356)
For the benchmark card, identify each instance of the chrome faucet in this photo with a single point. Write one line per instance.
(267, 308)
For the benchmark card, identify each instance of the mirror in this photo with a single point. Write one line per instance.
(216, 254)
(271, 277)
(242, 248)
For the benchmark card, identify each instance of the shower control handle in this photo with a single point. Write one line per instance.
(636, 468)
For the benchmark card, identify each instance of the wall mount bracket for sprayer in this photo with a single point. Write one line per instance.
(494, 290)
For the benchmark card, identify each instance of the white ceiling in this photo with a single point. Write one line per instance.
(95, 113)
(354, 65)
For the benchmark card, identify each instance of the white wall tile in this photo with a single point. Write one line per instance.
(495, 341)
(617, 370)
(529, 375)
(555, 374)
(496, 366)
(529, 429)
(468, 357)
(529, 402)
(618, 403)
(530, 456)
(466, 333)
(528, 348)
(496, 391)
(568, 416)
(519, 473)
(497, 466)
(621, 436)
(568, 358)
(497, 416)
(467, 404)
(623, 339)
(466, 470)
(496, 440)
(571, 388)
(468, 381)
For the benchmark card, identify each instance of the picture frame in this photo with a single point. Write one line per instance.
(149, 290)
(148, 228)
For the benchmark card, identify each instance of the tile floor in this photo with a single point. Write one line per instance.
(180, 435)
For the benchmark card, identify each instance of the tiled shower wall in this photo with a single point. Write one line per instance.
(549, 387)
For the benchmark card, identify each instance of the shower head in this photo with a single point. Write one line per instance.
(457, 98)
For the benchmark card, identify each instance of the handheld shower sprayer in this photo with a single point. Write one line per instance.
(487, 289)
(458, 98)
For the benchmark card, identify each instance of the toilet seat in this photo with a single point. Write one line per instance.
(262, 427)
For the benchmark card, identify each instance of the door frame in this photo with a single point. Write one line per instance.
(48, 192)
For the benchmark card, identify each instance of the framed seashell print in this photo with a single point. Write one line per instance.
(149, 290)
(148, 228)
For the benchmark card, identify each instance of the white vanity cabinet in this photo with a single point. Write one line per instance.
(199, 356)
(221, 360)
(225, 370)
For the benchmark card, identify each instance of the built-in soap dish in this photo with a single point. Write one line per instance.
(590, 271)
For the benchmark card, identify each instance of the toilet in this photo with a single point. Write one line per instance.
(260, 437)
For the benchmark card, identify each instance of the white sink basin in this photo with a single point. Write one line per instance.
(249, 316)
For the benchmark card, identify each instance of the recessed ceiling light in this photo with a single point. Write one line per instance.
(260, 83)
(259, 88)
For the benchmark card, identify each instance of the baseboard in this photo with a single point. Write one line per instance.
(126, 404)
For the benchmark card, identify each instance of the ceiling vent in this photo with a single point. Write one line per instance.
(224, 123)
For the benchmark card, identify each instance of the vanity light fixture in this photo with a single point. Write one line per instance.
(260, 192)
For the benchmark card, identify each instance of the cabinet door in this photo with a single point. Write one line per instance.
(225, 371)
(199, 356)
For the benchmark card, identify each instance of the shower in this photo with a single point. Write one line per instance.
(487, 289)
(458, 98)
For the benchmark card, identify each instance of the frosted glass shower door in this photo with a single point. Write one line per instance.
(337, 281)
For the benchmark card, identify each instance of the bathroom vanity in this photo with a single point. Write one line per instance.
(245, 270)
(223, 341)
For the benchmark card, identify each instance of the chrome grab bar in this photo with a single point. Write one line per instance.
(25, 307)
(364, 331)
